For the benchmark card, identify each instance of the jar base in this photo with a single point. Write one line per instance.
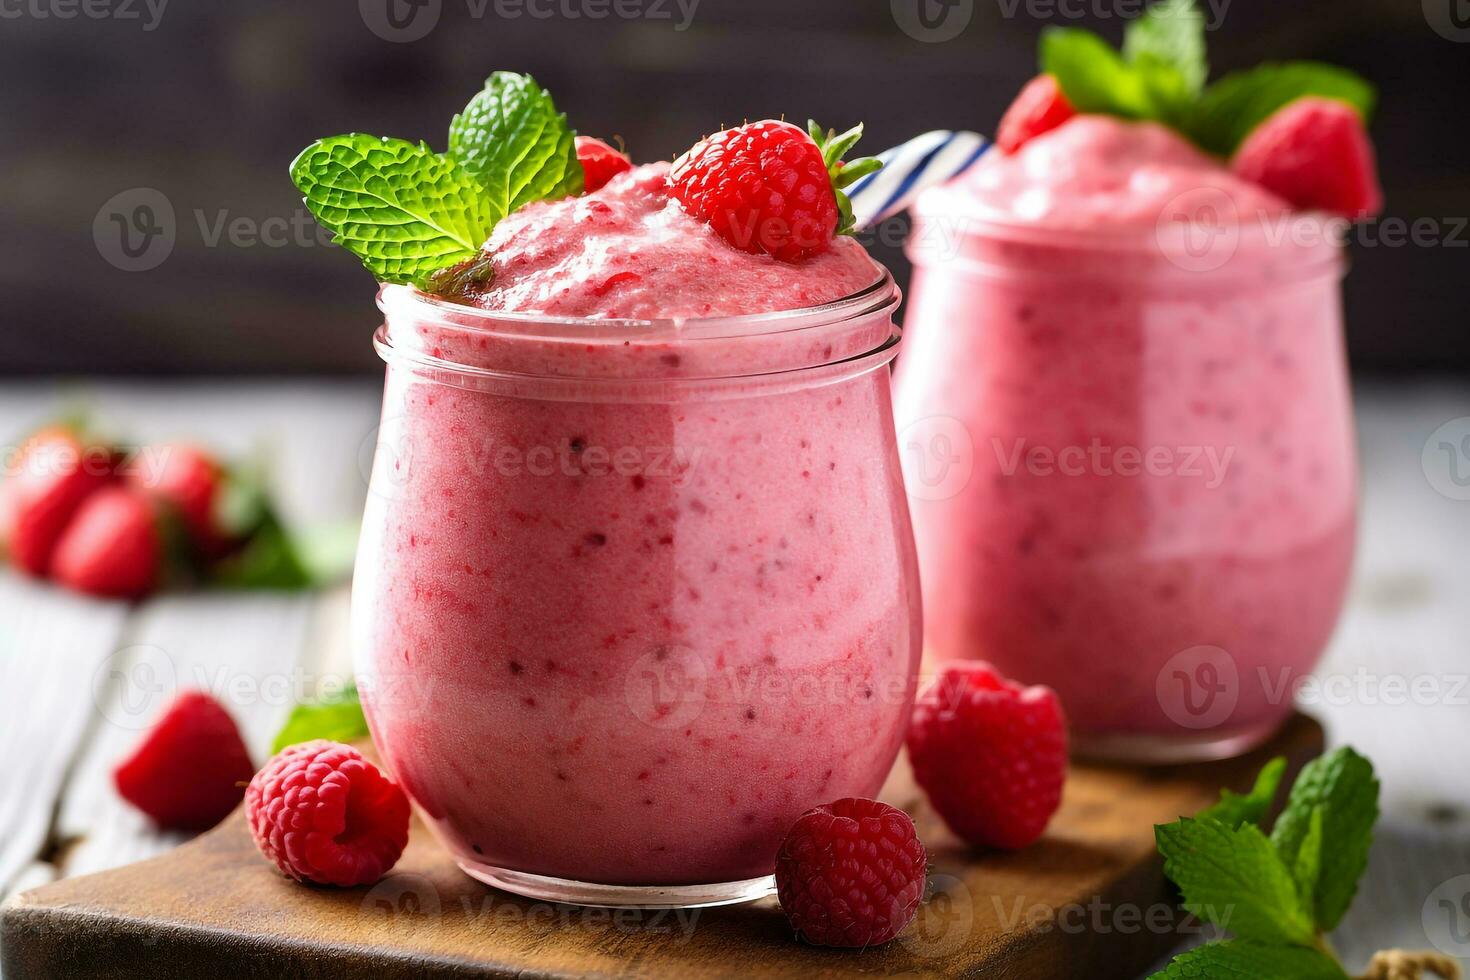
(1164, 750)
(566, 891)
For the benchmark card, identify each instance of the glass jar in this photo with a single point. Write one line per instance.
(633, 595)
(1132, 465)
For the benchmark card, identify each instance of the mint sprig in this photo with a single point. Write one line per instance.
(408, 212)
(1279, 895)
(1161, 72)
(1241, 959)
(1235, 879)
(512, 140)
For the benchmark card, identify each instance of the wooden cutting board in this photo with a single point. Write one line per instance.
(1089, 900)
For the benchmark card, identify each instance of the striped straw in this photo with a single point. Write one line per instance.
(909, 169)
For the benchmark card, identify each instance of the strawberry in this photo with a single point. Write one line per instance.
(191, 768)
(770, 187)
(54, 472)
(1316, 154)
(113, 546)
(1040, 107)
(190, 480)
(600, 162)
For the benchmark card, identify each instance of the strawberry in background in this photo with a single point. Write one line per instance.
(113, 547)
(192, 482)
(53, 473)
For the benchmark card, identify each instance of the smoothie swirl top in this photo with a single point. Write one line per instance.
(629, 250)
(1099, 173)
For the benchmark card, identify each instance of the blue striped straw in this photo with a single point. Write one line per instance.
(910, 168)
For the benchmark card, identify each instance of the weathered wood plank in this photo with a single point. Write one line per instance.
(51, 646)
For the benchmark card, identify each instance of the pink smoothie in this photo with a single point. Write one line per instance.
(1126, 425)
(633, 596)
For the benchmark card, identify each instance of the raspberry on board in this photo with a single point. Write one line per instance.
(325, 814)
(189, 771)
(990, 754)
(851, 873)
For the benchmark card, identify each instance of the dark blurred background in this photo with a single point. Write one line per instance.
(127, 110)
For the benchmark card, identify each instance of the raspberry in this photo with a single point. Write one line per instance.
(1316, 154)
(770, 187)
(190, 771)
(1039, 108)
(851, 873)
(323, 813)
(600, 162)
(990, 754)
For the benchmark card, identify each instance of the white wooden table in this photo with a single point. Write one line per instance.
(80, 679)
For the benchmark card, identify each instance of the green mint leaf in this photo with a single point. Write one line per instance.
(1239, 102)
(1093, 76)
(1307, 868)
(1235, 879)
(1343, 786)
(401, 208)
(1171, 34)
(1240, 959)
(511, 139)
(1235, 809)
(338, 718)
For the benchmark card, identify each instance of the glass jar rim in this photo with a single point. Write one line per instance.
(881, 292)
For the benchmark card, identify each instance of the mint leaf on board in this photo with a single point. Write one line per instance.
(1239, 102)
(1307, 868)
(1235, 809)
(338, 718)
(1343, 786)
(511, 139)
(1241, 959)
(1170, 33)
(269, 559)
(1235, 879)
(1093, 76)
(401, 208)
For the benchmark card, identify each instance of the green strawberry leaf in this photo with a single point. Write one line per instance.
(1342, 785)
(511, 139)
(1235, 809)
(401, 208)
(338, 718)
(842, 173)
(1235, 879)
(1170, 34)
(1093, 76)
(1239, 102)
(1243, 960)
